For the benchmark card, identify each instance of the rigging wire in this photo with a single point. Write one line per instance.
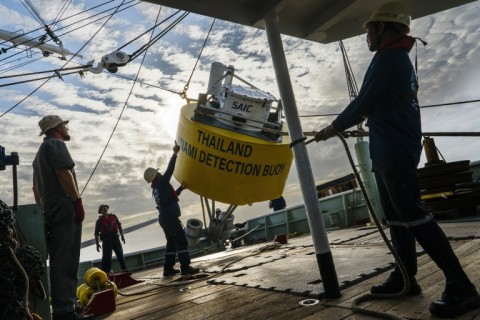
(121, 113)
(22, 64)
(148, 30)
(18, 59)
(40, 72)
(351, 83)
(140, 82)
(101, 18)
(185, 88)
(56, 75)
(133, 56)
(31, 8)
(421, 107)
(86, 66)
(33, 11)
(75, 29)
(60, 13)
(76, 14)
(144, 83)
(91, 38)
(157, 37)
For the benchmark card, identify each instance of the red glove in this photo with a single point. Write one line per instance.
(79, 212)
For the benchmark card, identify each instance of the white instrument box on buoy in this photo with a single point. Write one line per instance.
(252, 105)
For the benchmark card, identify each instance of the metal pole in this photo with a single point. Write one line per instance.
(302, 162)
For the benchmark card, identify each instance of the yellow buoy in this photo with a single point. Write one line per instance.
(85, 295)
(95, 277)
(222, 164)
(80, 288)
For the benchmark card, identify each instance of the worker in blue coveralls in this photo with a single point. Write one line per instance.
(108, 228)
(166, 198)
(388, 100)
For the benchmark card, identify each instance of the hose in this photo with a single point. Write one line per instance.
(406, 280)
(246, 234)
(401, 266)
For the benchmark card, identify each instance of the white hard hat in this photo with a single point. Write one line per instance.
(396, 12)
(150, 174)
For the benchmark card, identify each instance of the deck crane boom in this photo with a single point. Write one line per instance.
(46, 48)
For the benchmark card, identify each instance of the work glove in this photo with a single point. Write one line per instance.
(326, 133)
(98, 248)
(176, 148)
(123, 239)
(79, 211)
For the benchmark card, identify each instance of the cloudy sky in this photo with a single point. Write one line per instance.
(148, 110)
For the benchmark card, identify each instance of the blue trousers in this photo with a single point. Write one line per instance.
(399, 191)
(111, 242)
(177, 243)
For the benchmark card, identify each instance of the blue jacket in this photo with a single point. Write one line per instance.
(163, 193)
(388, 99)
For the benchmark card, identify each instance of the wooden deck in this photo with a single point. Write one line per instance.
(156, 299)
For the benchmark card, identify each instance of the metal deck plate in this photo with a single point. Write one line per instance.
(358, 254)
(297, 272)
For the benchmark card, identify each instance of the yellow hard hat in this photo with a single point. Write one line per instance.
(391, 12)
(150, 174)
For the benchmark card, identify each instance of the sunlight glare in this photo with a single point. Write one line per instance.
(170, 121)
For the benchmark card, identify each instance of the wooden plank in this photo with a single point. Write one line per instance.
(162, 305)
(209, 310)
(206, 301)
(335, 313)
(161, 300)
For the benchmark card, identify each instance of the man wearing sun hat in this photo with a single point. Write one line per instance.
(55, 189)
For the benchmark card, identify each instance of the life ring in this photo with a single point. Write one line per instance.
(95, 277)
(85, 295)
(80, 288)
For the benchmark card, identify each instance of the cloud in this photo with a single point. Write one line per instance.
(144, 135)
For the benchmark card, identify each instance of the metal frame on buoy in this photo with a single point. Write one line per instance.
(244, 109)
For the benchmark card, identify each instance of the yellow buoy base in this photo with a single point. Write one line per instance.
(228, 166)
